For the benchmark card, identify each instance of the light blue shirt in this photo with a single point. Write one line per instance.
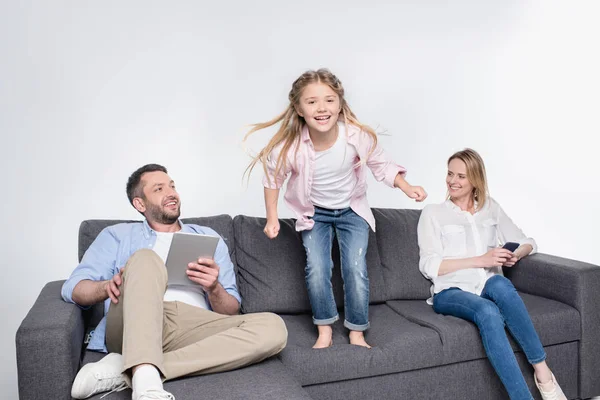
(110, 252)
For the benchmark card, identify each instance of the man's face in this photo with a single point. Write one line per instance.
(161, 201)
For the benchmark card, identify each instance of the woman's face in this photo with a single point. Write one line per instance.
(456, 180)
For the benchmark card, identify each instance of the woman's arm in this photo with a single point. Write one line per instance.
(493, 258)
(432, 262)
(508, 231)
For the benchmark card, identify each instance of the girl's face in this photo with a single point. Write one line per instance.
(320, 107)
(456, 180)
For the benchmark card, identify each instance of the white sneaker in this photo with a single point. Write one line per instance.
(555, 394)
(102, 376)
(153, 394)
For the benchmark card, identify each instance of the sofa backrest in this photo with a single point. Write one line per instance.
(271, 272)
(399, 250)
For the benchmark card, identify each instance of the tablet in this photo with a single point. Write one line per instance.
(186, 248)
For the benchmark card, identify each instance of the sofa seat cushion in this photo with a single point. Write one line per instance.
(268, 380)
(554, 322)
(398, 345)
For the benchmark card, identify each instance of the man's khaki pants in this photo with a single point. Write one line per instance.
(180, 339)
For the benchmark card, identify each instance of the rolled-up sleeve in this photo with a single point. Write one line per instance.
(271, 180)
(226, 270)
(98, 264)
(430, 244)
(509, 232)
(383, 169)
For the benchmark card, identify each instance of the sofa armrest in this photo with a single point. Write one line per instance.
(574, 283)
(49, 346)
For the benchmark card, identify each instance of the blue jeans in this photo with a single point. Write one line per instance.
(352, 232)
(499, 304)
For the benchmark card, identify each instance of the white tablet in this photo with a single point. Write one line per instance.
(186, 248)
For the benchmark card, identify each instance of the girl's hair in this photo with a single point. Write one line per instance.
(475, 174)
(291, 123)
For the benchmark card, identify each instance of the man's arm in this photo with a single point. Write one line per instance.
(87, 292)
(222, 302)
(88, 284)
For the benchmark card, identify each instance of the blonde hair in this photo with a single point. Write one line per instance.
(475, 174)
(292, 123)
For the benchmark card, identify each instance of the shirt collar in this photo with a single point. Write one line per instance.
(149, 232)
(450, 204)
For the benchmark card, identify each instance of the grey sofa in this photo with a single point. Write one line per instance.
(417, 353)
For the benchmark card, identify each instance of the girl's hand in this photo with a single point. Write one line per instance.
(272, 228)
(415, 192)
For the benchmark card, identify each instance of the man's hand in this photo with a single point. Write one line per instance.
(112, 286)
(496, 258)
(204, 272)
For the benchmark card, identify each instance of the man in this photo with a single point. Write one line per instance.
(154, 332)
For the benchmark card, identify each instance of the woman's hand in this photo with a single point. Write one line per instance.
(497, 257)
(519, 253)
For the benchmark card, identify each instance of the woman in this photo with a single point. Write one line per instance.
(458, 242)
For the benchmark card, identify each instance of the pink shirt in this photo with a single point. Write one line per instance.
(300, 166)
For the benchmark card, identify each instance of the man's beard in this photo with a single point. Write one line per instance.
(156, 213)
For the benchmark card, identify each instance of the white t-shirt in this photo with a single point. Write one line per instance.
(334, 177)
(192, 295)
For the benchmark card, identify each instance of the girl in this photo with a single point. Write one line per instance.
(325, 159)
(458, 242)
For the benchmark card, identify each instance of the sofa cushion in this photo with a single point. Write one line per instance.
(271, 272)
(399, 250)
(268, 380)
(398, 345)
(89, 229)
(554, 322)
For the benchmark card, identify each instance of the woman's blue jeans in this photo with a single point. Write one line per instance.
(352, 233)
(499, 304)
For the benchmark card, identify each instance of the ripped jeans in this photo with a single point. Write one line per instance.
(352, 232)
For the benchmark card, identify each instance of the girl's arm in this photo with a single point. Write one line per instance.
(272, 226)
(414, 192)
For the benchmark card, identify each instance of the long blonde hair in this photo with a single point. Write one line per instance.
(292, 123)
(475, 174)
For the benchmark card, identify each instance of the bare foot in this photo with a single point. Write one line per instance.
(358, 338)
(325, 338)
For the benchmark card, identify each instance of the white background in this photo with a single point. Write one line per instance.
(89, 91)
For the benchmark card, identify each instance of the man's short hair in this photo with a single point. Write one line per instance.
(134, 183)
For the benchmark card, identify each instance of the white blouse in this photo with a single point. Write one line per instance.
(447, 232)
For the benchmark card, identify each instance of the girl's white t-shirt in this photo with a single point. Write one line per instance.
(334, 178)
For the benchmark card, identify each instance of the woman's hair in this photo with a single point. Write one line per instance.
(475, 174)
(291, 123)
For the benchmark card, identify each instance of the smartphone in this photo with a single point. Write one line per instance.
(511, 246)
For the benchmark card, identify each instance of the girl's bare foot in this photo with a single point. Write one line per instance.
(325, 338)
(358, 338)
